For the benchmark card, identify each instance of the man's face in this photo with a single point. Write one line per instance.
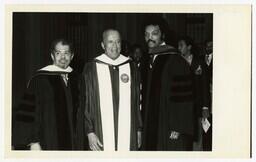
(62, 55)
(208, 47)
(153, 36)
(137, 54)
(184, 48)
(112, 44)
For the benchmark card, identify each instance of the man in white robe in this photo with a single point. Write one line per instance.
(111, 99)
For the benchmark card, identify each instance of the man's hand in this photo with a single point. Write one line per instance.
(139, 138)
(205, 112)
(174, 135)
(35, 146)
(94, 142)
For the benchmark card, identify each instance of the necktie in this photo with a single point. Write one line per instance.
(65, 78)
(207, 58)
(189, 59)
(151, 61)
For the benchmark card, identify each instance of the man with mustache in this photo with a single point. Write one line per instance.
(111, 99)
(168, 109)
(46, 117)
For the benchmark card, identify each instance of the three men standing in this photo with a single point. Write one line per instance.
(107, 112)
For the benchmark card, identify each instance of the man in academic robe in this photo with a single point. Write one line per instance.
(111, 99)
(46, 117)
(187, 50)
(169, 111)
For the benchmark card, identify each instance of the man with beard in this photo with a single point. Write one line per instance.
(169, 112)
(111, 99)
(45, 119)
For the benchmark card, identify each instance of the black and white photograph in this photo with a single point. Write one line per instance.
(117, 81)
(127, 81)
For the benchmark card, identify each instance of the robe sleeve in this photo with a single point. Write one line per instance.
(176, 100)
(86, 99)
(26, 119)
(80, 141)
(137, 96)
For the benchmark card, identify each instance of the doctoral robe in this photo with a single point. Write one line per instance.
(169, 103)
(91, 101)
(47, 113)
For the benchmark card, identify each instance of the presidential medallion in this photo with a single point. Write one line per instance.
(124, 78)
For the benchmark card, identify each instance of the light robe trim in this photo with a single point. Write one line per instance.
(54, 68)
(106, 108)
(124, 115)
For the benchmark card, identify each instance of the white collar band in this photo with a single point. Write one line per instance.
(104, 58)
(54, 68)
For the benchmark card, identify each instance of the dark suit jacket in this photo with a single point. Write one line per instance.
(208, 74)
(200, 84)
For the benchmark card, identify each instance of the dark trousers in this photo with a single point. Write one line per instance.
(207, 138)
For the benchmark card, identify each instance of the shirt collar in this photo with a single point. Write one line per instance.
(163, 43)
(209, 54)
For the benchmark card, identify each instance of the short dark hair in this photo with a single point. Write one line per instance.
(63, 42)
(156, 21)
(207, 41)
(168, 35)
(135, 46)
(188, 40)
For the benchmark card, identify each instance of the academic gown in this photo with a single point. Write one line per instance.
(47, 113)
(169, 102)
(91, 102)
